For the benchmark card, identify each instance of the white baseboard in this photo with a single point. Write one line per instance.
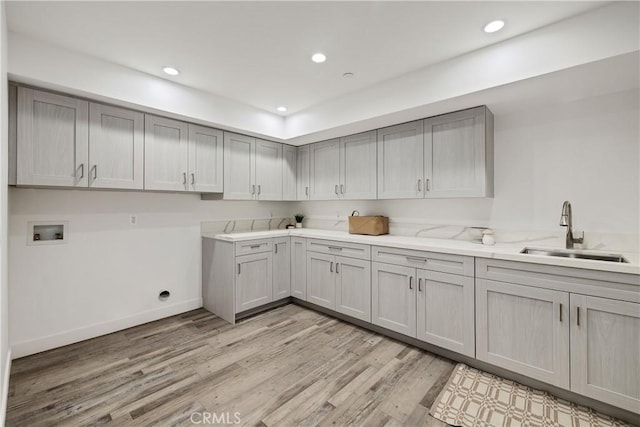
(26, 348)
(5, 388)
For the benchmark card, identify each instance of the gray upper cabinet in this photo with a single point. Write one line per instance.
(116, 148)
(358, 178)
(445, 156)
(302, 173)
(324, 173)
(459, 154)
(400, 161)
(252, 168)
(289, 161)
(268, 170)
(239, 166)
(52, 139)
(166, 154)
(205, 160)
(343, 168)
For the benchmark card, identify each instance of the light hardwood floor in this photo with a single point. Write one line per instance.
(289, 366)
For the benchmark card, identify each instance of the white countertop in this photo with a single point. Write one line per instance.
(505, 251)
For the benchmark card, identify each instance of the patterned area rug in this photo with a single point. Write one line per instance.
(474, 398)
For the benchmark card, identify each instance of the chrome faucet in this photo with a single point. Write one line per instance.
(566, 221)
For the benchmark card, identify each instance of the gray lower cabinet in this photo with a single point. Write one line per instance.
(299, 268)
(605, 350)
(254, 280)
(340, 283)
(523, 329)
(281, 268)
(239, 276)
(432, 306)
(574, 328)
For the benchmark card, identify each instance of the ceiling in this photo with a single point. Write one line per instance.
(258, 53)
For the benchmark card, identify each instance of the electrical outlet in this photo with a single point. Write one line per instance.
(133, 219)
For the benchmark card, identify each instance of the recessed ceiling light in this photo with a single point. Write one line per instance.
(282, 109)
(493, 26)
(171, 71)
(318, 57)
(347, 75)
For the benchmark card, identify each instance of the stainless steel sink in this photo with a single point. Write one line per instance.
(595, 256)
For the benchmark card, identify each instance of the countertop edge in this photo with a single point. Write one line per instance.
(501, 251)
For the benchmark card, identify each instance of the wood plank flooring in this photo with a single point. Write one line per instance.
(290, 366)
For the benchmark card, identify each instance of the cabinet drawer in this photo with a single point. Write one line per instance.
(253, 246)
(445, 263)
(352, 250)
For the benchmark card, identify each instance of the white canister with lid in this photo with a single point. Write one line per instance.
(487, 237)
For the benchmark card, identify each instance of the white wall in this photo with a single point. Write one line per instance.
(110, 272)
(585, 151)
(5, 359)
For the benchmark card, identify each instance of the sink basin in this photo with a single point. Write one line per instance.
(566, 253)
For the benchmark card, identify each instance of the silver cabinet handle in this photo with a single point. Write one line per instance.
(254, 246)
(259, 189)
(419, 185)
(341, 188)
(337, 248)
(253, 189)
(184, 178)
(95, 172)
(427, 185)
(415, 258)
(578, 316)
(331, 267)
(419, 285)
(81, 171)
(410, 282)
(306, 191)
(336, 188)
(276, 247)
(337, 265)
(238, 268)
(193, 178)
(561, 312)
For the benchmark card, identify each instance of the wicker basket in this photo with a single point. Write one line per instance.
(371, 225)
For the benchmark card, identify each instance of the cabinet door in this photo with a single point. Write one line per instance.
(302, 173)
(358, 166)
(321, 281)
(523, 329)
(205, 159)
(254, 280)
(52, 139)
(393, 297)
(289, 160)
(605, 350)
(455, 154)
(401, 161)
(116, 147)
(324, 172)
(239, 167)
(299, 268)
(445, 311)
(166, 146)
(281, 268)
(353, 287)
(268, 170)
